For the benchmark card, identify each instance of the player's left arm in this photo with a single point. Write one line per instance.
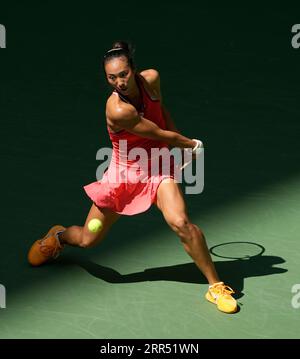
(153, 78)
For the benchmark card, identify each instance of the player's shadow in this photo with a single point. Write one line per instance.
(233, 272)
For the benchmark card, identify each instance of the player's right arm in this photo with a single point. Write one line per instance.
(126, 117)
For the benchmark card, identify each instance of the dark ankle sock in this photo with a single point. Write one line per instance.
(57, 235)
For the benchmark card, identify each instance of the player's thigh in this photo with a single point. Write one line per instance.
(170, 201)
(107, 218)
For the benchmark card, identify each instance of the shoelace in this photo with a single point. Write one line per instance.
(221, 289)
(49, 251)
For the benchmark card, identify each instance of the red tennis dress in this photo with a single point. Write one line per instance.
(129, 186)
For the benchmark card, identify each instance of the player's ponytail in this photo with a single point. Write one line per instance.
(122, 45)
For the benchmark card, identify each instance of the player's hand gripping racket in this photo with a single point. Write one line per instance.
(191, 153)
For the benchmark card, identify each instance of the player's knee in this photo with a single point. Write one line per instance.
(190, 232)
(85, 243)
(88, 240)
(179, 223)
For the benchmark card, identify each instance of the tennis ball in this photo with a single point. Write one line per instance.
(95, 225)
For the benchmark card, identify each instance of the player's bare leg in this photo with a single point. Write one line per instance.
(50, 246)
(171, 203)
(82, 236)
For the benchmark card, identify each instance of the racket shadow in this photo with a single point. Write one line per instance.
(232, 272)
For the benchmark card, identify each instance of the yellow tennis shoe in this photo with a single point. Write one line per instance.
(220, 294)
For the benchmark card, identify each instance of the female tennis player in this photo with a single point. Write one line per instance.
(135, 114)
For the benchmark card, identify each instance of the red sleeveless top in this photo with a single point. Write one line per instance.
(151, 111)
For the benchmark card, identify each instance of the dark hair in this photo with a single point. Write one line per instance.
(118, 49)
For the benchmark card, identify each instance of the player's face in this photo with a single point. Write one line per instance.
(120, 75)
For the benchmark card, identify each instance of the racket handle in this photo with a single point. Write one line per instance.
(184, 165)
(197, 149)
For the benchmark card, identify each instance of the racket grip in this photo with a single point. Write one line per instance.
(196, 150)
(198, 147)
